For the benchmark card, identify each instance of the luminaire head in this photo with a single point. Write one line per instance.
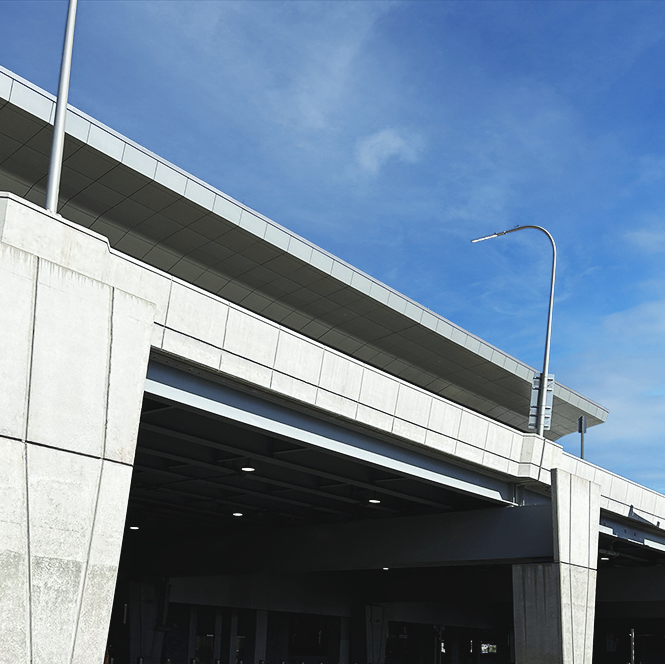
(489, 237)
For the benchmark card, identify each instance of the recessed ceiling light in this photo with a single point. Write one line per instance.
(248, 469)
(385, 569)
(133, 527)
(374, 501)
(237, 514)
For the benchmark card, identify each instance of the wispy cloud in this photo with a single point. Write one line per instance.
(294, 61)
(625, 371)
(650, 240)
(375, 150)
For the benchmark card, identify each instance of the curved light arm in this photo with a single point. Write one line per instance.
(546, 360)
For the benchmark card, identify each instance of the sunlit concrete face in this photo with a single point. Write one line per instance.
(74, 355)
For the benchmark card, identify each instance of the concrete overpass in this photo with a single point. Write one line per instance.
(229, 445)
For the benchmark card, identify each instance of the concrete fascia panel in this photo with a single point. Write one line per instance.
(251, 337)
(72, 316)
(139, 161)
(131, 332)
(132, 277)
(17, 289)
(106, 142)
(77, 126)
(170, 178)
(340, 376)
(31, 100)
(197, 314)
(6, 83)
(196, 352)
(298, 357)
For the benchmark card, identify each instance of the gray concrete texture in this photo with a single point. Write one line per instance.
(73, 362)
(554, 603)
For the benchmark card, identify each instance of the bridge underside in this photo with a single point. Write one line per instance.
(347, 549)
(310, 570)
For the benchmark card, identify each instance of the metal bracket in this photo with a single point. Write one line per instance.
(533, 408)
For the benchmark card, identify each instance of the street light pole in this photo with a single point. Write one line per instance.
(57, 146)
(542, 391)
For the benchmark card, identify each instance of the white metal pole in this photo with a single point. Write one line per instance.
(548, 336)
(57, 147)
(542, 392)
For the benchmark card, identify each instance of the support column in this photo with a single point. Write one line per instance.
(376, 630)
(217, 645)
(233, 639)
(261, 637)
(453, 645)
(73, 359)
(344, 640)
(148, 608)
(554, 603)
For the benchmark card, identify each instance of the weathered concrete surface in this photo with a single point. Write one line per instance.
(554, 604)
(73, 357)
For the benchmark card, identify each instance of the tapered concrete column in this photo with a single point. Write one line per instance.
(73, 358)
(554, 604)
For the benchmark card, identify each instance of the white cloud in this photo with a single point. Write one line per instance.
(649, 237)
(625, 372)
(294, 62)
(651, 240)
(372, 152)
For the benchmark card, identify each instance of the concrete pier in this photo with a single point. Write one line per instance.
(74, 355)
(554, 603)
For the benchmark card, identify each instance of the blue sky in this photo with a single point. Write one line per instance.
(391, 133)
